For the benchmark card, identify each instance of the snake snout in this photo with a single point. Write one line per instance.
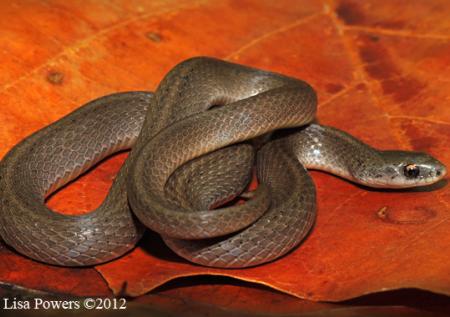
(441, 172)
(415, 168)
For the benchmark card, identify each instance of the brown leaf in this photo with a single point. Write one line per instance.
(381, 71)
(206, 296)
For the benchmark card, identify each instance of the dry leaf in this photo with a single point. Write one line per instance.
(381, 72)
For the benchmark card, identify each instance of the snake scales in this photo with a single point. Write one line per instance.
(194, 142)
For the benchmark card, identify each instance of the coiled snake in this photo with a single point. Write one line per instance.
(192, 151)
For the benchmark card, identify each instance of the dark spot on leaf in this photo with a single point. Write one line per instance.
(402, 89)
(350, 13)
(377, 62)
(417, 139)
(360, 87)
(424, 144)
(333, 88)
(379, 65)
(55, 77)
(374, 38)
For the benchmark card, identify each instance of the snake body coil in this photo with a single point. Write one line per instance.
(192, 151)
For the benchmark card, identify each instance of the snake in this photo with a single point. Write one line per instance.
(196, 142)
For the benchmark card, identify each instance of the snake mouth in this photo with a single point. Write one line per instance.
(422, 183)
(404, 183)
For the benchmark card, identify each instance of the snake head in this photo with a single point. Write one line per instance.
(404, 169)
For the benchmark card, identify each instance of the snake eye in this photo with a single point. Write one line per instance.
(411, 170)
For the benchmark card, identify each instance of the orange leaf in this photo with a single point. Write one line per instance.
(381, 72)
(18, 270)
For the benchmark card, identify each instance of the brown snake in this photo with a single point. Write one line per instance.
(193, 148)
